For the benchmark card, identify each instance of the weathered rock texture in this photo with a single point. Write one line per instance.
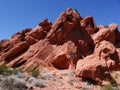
(70, 42)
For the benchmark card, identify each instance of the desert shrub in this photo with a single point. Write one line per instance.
(17, 71)
(7, 84)
(3, 69)
(107, 87)
(13, 83)
(71, 83)
(112, 82)
(13, 71)
(34, 71)
(116, 74)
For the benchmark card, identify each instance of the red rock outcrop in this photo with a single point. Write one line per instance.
(107, 33)
(67, 27)
(88, 24)
(97, 66)
(70, 42)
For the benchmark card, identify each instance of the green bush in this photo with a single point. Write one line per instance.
(107, 87)
(3, 69)
(34, 71)
(7, 84)
(13, 71)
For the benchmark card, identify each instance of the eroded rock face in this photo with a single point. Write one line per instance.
(107, 33)
(89, 24)
(67, 41)
(70, 42)
(97, 66)
(67, 27)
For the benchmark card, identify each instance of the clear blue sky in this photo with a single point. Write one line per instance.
(16, 15)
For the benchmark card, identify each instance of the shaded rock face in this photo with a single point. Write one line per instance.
(70, 42)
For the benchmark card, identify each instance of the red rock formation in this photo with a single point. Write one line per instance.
(67, 27)
(70, 42)
(107, 33)
(96, 65)
(88, 24)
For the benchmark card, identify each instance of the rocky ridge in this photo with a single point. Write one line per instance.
(71, 42)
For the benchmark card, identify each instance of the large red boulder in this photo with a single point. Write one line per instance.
(97, 66)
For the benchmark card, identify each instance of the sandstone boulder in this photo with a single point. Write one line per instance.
(89, 24)
(107, 33)
(64, 56)
(97, 66)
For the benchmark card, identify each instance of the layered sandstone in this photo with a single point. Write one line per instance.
(70, 42)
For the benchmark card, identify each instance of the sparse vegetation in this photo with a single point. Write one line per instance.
(34, 71)
(3, 69)
(71, 83)
(111, 86)
(10, 83)
(14, 71)
(112, 82)
(14, 79)
(116, 74)
(7, 84)
(107, 87)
